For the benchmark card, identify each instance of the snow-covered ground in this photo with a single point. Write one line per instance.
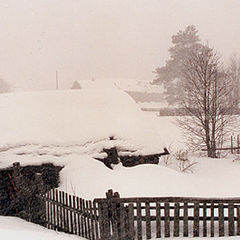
(12, 228)
(70, 128)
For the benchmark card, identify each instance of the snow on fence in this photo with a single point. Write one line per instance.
(142, 218)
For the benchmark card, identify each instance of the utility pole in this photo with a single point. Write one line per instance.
(56, 80)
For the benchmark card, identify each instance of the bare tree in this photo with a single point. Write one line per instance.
(205, 100)
(234, 76)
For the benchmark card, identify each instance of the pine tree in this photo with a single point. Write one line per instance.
(170, 74)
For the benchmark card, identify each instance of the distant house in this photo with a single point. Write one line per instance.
(76, 85)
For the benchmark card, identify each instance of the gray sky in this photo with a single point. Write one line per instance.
(103, 38)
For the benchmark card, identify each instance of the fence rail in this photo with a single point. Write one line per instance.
(115, 218)
(234, 145)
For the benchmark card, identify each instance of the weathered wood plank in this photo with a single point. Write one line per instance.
(122, 229)
(74, 215)
(238, 220)
(64, 213)
(176, 219)
(48, 212)
(71, 215)
(204, 219)
(158, 220)
(85, 208)
(166, 220)
(196, 220)
(221, 220)
(114, 220)
(95, 212)
(83, 230)
(106, 221)
(148, 221)
(57, 211)
(53, 210)
(61, 211)
(139, 221)
(131, 234)
(67, 214)
(185, 219)
(230, 219)
(212, 220)
(92, 232)
(78, 217)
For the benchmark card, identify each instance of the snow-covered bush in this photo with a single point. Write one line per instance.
(183, 162)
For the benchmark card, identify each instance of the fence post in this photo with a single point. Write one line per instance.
(238, 144)
(108, 216)
(114, 213)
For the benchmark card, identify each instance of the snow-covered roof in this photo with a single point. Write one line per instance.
(73, 116)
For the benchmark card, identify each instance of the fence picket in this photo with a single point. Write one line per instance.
(139, 221)
(185, 219)
(48, 210)
(238, 220)
(176, 220)
(148, 221)
(57, 209)
(221, 219)
(85, 218)
(64, 212)
(82, 218)
(167, 219)
(122, 222)
(61, 211)
(92, 220)
(86, 210)
(212, 219)
(74, 216)
(78, 218)
(158, 220)
(53, 210)
(230, 219)
(204, 219)
(67, 213)
(196, 220)
(114, 220)
(131, 234)
(96, 220)
(70, 214)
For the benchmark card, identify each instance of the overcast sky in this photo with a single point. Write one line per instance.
(82, 39)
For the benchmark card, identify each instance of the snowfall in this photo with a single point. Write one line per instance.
(70, 128)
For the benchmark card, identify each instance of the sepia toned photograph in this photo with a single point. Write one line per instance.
(119, 119)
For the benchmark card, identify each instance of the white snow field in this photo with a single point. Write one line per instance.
(12, 228)
(71, 127)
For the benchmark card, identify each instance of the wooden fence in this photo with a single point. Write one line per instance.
(144, 218)
(115, 218)
(234, 145)
(71, 214)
